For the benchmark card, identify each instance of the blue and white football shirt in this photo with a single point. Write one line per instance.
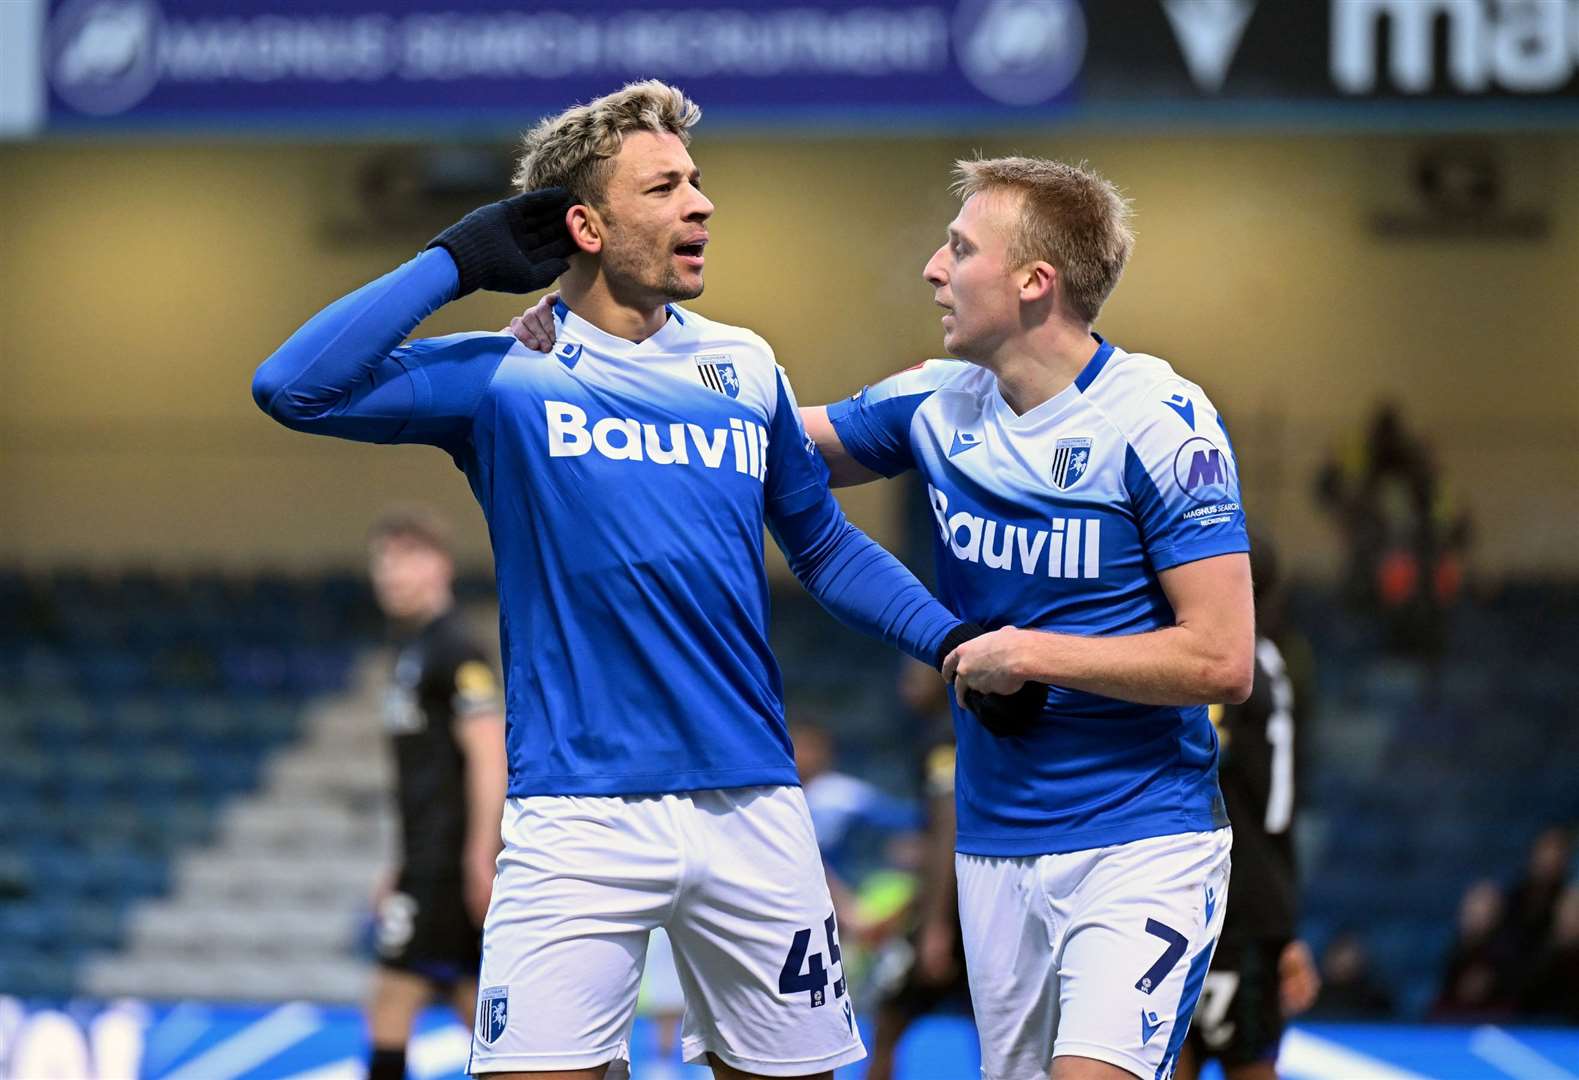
(1060, 520)
(625, 486)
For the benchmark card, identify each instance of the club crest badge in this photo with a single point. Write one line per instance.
(1071, 459)
(493, 1013)
(717, 372)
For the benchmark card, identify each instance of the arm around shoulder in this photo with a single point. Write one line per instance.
(843, 469)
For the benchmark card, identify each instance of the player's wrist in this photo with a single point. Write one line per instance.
(956, 637)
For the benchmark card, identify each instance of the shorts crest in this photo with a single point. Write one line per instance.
(493, 1013)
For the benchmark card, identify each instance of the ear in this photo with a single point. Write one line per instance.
(1038, 281)
(586, 228)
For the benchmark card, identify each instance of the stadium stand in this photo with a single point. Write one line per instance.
(192, 785)
(135, 711)
(1425, 777)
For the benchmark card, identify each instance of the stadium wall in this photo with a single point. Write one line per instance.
(142, 283)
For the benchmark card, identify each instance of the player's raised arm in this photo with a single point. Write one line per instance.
(344, 373)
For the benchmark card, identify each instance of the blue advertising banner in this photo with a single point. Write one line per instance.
(304, 1041)
(197, 59)
(484, 66)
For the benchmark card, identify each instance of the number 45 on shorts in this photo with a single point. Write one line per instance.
(792, 980)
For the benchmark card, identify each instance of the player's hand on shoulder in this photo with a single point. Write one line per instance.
(516, 245)
(534, 327)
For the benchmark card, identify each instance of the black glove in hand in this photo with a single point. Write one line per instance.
(1002, 714)
(518, 245)
(1006, 715)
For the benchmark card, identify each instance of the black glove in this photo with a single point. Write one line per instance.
(518, 245)
(1006, 715)
(1002, 714)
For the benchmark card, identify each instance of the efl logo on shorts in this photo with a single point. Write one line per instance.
(493, 1013)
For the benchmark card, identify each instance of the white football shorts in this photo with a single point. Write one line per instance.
(1098, 953)
(735, 878)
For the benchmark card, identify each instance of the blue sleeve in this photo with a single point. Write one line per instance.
(345, 373)
(859, 583)
(1182, 479)
(874, 425)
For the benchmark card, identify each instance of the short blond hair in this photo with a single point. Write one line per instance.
(1069, 217)
(575, 150)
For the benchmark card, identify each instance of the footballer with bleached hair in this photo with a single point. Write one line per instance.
(626, 474)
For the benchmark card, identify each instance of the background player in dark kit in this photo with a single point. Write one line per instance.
(1260, 974)
(446, 726)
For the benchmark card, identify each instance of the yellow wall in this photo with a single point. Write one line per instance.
(140, 285)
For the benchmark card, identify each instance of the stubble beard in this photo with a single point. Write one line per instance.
(649, 284)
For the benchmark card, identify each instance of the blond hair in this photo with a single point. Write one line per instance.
(575, 150)
(1069, 217)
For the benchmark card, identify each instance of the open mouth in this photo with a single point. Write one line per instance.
(692, 250)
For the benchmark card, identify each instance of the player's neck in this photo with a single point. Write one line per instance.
(585, 291)
(1041, 363)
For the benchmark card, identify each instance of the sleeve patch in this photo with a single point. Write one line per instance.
(476, 688)
(1205, 474)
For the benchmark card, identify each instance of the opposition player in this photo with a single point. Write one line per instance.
(445, 721)
(1260, 973)
(626, 478)
(1090, 496)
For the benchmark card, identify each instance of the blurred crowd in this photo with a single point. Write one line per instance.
(1514, 954)
(1405, 533)
(1516, 949)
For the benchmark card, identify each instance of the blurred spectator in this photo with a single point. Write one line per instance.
(1552, 992)
(1532, 900)
(1476, 983)
(1405, 535)
(1348, 989)
(843, 806)
(870, 844)
(924, 970)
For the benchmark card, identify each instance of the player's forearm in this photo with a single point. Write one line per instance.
(1176, 665)
(861, 584)
(307, 382)
(484, 809)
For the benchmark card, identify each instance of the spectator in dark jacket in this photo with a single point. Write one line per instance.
(1476, 984)
(1348, 989)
